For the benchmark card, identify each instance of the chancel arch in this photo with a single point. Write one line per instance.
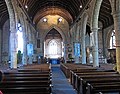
(53, 44)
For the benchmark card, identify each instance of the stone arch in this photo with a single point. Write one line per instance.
(115, 4)
(57, 41)
(11, 15)
(59, 30)
(95, 15)
(4, 36)
(13, 35)
(109, 36)
(84, 21)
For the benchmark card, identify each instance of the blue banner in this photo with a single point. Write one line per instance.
(77, 49)
(29, 49)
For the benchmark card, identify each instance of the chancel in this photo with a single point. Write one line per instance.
(59, 46)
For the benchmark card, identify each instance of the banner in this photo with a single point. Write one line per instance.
(29, 49)
(77, 49)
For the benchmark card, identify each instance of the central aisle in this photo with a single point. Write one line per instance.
(59, 81)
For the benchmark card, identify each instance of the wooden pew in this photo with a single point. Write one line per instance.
(66, 68)
(102, 88)
(83, 81)
(26, 82)
(25, 78)
(74, 75)
(91, 73)
(33, 70)
(25, 90)
(95, 77)
(27, 74)
(23, 83)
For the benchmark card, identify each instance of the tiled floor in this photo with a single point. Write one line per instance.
(60, 83)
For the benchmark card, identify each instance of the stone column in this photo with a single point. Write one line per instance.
(94, 27)
(30, 60)
(117, 34)
(13, 34)
(65, 52)
(95, 47)
(83, 50)
(77, 58)
(13, 48)
(42, 48)
(24, 58)
(83, 47)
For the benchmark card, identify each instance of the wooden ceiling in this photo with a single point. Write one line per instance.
(72, 6)
(3, 13)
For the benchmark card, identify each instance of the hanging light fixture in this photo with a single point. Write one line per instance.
(60, 19)
(44, 19)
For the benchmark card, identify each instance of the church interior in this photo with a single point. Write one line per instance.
(59, 46)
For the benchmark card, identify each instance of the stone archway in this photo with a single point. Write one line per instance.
(13, 34)
(53, 44)
(58, 30)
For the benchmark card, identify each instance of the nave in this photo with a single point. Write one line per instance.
(60, 79)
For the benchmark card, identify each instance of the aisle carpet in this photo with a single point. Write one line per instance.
(60, 83)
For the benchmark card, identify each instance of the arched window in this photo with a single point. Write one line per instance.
(112, 40)
(52, 47)
(20, 38)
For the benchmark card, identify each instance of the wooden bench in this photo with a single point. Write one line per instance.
(78, 77)
(33, 70)
(75, 72)
(26, 82)
(26, 90)
(91, 80)
(113, 87)
(74, 76)
(25, 78)
(66, 68)
(91, 73)
(83, 81)
(20, 83)
(27, 74)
